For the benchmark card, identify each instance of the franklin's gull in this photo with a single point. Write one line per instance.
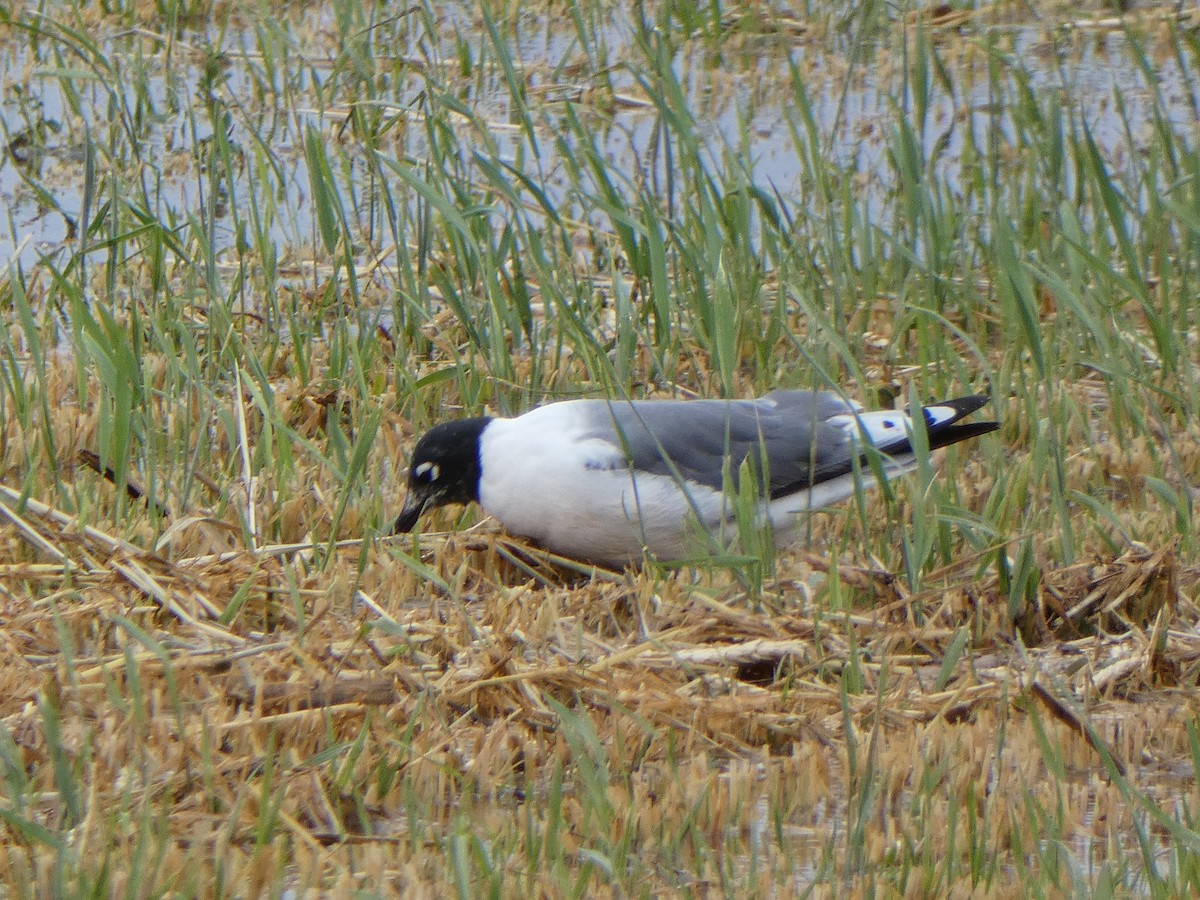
(607, 481)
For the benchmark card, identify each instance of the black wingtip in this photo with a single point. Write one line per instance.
(941, 420)
(947, 435)
(960, 407)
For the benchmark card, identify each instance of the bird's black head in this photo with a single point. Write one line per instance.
(444, 469)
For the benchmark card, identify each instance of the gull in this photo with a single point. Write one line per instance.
(610, 481)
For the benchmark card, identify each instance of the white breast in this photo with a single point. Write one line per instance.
(577, 497)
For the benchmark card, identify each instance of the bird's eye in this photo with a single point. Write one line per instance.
(427, 471)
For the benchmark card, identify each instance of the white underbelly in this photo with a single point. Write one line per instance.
(606, 515)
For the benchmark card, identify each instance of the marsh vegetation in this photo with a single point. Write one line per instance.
(252, 250)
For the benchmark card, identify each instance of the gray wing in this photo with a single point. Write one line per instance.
(692, 439)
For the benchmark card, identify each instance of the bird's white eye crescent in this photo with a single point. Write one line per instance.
(427, 468)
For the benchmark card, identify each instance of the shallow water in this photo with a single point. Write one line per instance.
(142, 105)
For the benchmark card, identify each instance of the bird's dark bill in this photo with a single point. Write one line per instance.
(414, 505)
